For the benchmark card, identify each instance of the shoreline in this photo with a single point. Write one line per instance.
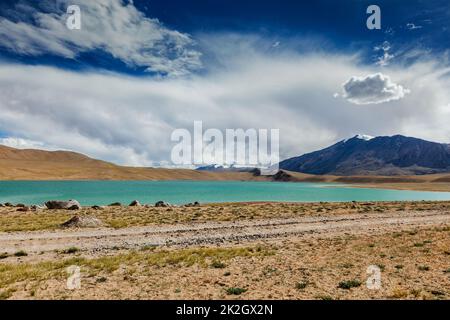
(432, 183)
(31, 207)
(16, 219)
(441, 187)
(433, 187)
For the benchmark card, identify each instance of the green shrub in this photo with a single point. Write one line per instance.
(235, 291)
(218, 265)
(71, 250)
(20, 253)
(349, 284)
(301, 285)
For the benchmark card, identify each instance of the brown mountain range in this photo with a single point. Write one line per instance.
(31, 164)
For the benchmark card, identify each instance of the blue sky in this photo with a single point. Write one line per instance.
(340, 22)
(136, 71)
(338, 25)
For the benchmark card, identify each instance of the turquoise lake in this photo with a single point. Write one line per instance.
(180, 192)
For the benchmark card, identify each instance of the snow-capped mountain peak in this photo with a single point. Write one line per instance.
(364, 137)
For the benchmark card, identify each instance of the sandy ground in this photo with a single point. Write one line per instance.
(302, 251)
(95, 241)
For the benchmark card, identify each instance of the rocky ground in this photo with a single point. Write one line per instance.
(228, 251)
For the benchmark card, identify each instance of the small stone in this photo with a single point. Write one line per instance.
(37, 208)
(66, 205)
(115, 204)
(194, 204)
(82, 222)
(162, 204)
(135, 203)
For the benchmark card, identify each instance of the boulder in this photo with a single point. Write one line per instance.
(65, 205)
(97, 208)
(134, 203)
(8, 204)
(256, 172)
(193, 204)
(37, 208)
(20, 205)
(115, 204)
(1, 205)
(162, 204)
(82, 222)
(23, 209)
(282, 176)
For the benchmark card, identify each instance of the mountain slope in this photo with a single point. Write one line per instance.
(30, 164)
(364, 155)
(8, 153)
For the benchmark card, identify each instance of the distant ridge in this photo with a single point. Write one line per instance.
(365, 155)
(31, 164)
(221, 168)
(9, 153)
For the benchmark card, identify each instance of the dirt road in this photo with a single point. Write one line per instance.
(191, 234)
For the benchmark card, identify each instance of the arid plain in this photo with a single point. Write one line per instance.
(230, 251)
(224, 250)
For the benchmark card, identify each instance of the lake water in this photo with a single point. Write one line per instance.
(180, 192)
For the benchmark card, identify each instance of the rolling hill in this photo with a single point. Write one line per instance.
(31, 164)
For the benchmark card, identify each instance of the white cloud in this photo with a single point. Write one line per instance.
(113, 26)
(412, 26)
(385, 46)
(386, 57)
(389, 31)
(372, 89)
(129, 120)
(20, 143)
